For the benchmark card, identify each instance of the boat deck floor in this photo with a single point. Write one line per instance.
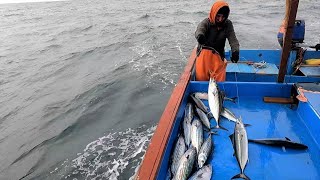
(246, 68)
(310, 71)
(267, 120)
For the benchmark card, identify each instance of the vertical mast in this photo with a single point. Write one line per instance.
(290, 17)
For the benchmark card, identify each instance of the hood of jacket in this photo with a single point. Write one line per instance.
(215, 8)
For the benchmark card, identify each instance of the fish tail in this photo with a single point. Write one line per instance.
(241, 175)
(246, 125)
(233, 99)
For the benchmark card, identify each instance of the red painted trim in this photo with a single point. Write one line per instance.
(152, 159)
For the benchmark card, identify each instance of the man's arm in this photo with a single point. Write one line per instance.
(201, 31)
(233, 41)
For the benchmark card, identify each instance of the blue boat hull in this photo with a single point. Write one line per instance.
(300, 123)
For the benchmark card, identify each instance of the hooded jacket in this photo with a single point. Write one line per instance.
(216, 37)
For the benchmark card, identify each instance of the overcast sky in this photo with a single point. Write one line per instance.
(20, 1)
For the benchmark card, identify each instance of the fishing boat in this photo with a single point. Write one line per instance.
(276, 102)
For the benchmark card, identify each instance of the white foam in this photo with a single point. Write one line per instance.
(108, 157)
(148, 61)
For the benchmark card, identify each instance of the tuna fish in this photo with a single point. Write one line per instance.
(188, 112)
(196, 134)
(287, 143)
(204, 173)
(224, 98)
(215, 101)
(200, 105)
(204, 96)
(203, 117)
(188, 116)
(185, 164)
(240, 145)
(229, 115)
(201, 95)
(179, 150)
(205, 151)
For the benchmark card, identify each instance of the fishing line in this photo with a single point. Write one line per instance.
(215, 75)
(235, 76)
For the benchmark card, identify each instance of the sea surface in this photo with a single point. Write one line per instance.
(83, 83)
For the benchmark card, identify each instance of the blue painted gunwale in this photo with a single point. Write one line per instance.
(301, 124)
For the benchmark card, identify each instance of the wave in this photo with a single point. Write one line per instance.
(107, 157)
(145, 16)
(75, 30)
(11, 113)
(40, 145)
(201, 13)
(50, 47)
(79, 108)
(12, 15)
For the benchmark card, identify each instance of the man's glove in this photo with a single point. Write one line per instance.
(235, 57)
(201, 39)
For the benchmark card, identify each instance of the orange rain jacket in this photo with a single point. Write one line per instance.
(207, 61)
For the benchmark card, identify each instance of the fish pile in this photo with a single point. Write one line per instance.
(192, 150)
(193, 146)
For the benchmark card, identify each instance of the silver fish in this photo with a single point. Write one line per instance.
(240, 145)
(287, 143)
(169, 174)
(229, 115)
(179, 150)
(188, 116)
(201, 95)
(203, 117)
(205, 151)
(215, 101)
(196, 134)
(187, 131)
(199, 104)
(204, 96)
(188, 112)
(204, 173)
(185, 164)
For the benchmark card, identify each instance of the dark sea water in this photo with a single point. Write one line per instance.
(83, 83)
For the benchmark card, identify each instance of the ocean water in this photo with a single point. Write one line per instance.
(83, 83)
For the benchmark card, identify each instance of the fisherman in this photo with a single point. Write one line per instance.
(282, 29)
(211, 35)
(281, 33)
